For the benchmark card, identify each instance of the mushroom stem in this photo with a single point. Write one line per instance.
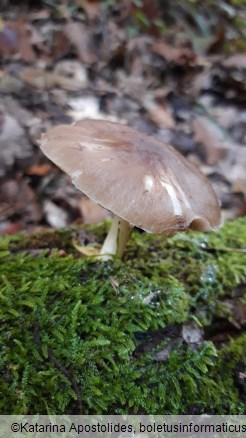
(116, 240)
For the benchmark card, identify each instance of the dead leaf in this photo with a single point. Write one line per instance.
(113, 46)
(88, 107)
(91, 7)
(226, 116)
(79, 36)
(130, 85)
(24, 117)
(19, 199)
(15, 38)
(55, 216)
(61, 44)
(42, 14)
(66, 196)
(9, 84)
(159, 114)
(177, 55)
(210, 136)
(200, 81)
(72, 69)
(8, 40)
(27, 53)
(150, 11)
(88, 251)
(239, 186)
(13, 143)
(136, 49)
(121, 11)
(39, 169)
(9, 228)
(37, 39)
(217, 43)
(192, 334)
(237, 61)
(233, 167)
(84, 244)
(44, 80)
(35, 131)
(238, 312)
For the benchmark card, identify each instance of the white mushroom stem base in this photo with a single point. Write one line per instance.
(116, 240)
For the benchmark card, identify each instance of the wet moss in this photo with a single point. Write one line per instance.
(78, 335)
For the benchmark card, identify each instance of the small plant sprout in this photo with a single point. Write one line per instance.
(144, 182)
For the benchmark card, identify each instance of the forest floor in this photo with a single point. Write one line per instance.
(162, 331)
(178, 75)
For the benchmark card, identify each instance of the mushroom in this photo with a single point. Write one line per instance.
(144, 182)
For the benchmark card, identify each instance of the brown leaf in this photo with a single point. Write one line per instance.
(91, 7)
(177, 55)
(20, 199)
(238, 312)
(150, 9)
(239, 186)
(44, 80)
(136, 49)
(79, 36)
(72, 69)
(15, 38)
(68, 197)
(217, 43)
(10, 228)
(42, 14)
(27, 53)
(13, 143)
(234, 168)
(10, 85)
(237, 61)
(209, 135)
(61, 45)
(39, 170)
(8, 40)
(159, 114)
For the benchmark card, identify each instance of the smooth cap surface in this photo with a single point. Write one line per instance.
(135, 176)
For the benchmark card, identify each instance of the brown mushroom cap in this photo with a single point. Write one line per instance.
(137, 177)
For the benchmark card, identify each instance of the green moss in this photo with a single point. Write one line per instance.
(78, 335)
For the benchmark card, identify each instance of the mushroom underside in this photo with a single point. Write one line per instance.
(120, 232)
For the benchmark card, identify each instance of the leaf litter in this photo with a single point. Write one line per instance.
(131, 62)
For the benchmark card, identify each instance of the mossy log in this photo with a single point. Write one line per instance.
(159, 332)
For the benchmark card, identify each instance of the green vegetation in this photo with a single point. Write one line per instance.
(78, 335)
